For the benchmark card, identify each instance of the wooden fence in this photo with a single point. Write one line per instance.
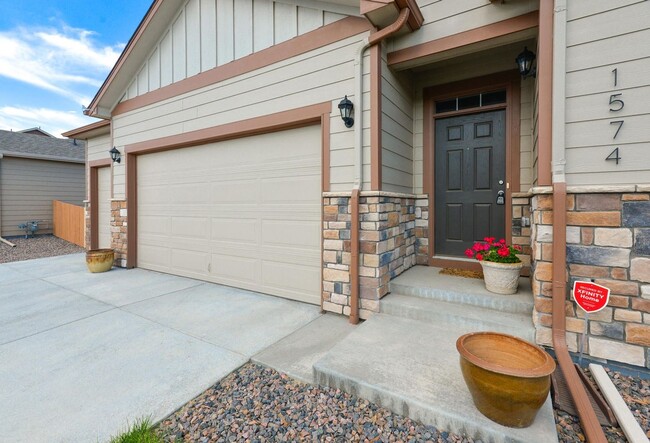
(69, 222)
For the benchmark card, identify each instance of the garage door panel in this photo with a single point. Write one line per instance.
(294, 234)
(191, 227)
(235, 269)
(299, 278)
(233, 229)
(244, 213)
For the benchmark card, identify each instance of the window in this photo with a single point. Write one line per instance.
(471, 101)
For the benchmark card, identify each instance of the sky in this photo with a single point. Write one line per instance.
(54, 56)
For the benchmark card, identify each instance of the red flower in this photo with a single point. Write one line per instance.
(478, 247)
(489, 240)
(479, 256)
(517, 248)
(502, 241)
(469, 253)
(504, 251)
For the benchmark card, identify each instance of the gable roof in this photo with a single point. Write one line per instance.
(17, 144)
(37, 131)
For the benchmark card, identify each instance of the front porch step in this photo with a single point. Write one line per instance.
(412, 368)
(473, 317)
(426, 282)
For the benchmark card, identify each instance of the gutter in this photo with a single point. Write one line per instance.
(590, 425)
(372, 40)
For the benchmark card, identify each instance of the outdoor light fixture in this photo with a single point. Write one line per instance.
(346, 107)
(525, 63)
(115, 155)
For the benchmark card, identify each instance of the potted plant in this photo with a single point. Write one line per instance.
(500, 264)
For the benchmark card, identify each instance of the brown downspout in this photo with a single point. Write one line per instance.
(374, 39)
(552, 37)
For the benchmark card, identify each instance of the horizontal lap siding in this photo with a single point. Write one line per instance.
(28, 187)
(397, 131)
(602, 36)
(210, 33)
(318, 76)
(447, 17)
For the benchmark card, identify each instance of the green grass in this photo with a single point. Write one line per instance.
(141, 431)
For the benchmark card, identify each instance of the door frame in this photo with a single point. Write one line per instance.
(511, 82)
(93, 182)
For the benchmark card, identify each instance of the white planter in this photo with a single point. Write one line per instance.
(501, 278)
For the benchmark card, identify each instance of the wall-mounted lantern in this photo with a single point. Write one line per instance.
(115, 155)
(525, 63)
(346, 107)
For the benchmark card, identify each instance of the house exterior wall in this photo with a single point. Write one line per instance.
(28, 188)
(397, 130)
(96, 149)
(443, 18)
(315, 77)
(601, 37)
(199, 39)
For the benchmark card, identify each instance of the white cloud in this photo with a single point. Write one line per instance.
(62, 60)
(53, 121)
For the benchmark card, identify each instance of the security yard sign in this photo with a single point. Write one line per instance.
(590, 296)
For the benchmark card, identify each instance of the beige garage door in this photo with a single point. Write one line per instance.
(104, 206)
(243, 213)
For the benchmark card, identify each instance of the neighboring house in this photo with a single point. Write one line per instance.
(236, 167)
(36, 169)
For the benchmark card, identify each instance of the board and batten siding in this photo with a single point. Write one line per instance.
(27, 188)
(397, 130)
(603, 35)
(322, 75)
(200, 38)
(443, 18)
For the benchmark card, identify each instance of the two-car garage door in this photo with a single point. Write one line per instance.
(243, 212)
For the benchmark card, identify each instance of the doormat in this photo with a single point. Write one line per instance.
(462, 273)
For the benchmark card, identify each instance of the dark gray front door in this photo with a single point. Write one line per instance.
(470, 170)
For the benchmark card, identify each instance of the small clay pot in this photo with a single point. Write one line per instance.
(100, 260)
(509, 378)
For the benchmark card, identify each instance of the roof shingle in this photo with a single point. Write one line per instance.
(37, 146)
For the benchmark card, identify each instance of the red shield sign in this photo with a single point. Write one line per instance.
(590, 296)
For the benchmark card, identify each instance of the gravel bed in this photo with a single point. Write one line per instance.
(36, 247)
(635, 392)
(258, 404)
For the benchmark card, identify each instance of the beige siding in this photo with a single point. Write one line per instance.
(318, 76)
(603, 36)
(466, 67)
(447, 17)
(397, 131)
(210, 33)
(96, 149)
(27, 188)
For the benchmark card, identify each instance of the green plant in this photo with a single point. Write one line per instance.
(141, 431)
(495, 251)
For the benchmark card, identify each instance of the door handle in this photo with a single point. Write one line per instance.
(501, 198)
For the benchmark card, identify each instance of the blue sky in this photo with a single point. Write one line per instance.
(54, 56)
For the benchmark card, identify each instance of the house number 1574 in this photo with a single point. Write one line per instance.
(616, 104)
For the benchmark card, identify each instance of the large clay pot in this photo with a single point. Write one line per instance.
(509, 378)
(100, 260)
(501, 278)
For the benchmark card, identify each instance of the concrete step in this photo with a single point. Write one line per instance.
(426, 282)
(411, 367)
(475, 317)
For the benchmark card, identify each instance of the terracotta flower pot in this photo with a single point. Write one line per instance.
(501, 278)
(509, 378)
(100, 260)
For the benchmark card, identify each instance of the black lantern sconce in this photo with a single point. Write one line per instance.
(115, 155)
(525, 63)
(346, 107)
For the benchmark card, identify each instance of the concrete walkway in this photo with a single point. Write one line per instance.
(82, 354)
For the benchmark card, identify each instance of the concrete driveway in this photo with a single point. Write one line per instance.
(82, 354)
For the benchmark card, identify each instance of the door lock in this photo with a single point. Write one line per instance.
(501, 198)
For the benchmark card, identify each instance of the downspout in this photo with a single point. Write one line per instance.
(588, 419)
(372, 40)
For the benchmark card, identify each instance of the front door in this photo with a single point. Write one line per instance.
(470, 180)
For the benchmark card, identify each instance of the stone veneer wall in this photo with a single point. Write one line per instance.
(608, 240)
(521, 233)
(387, 246)
(118, 231)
